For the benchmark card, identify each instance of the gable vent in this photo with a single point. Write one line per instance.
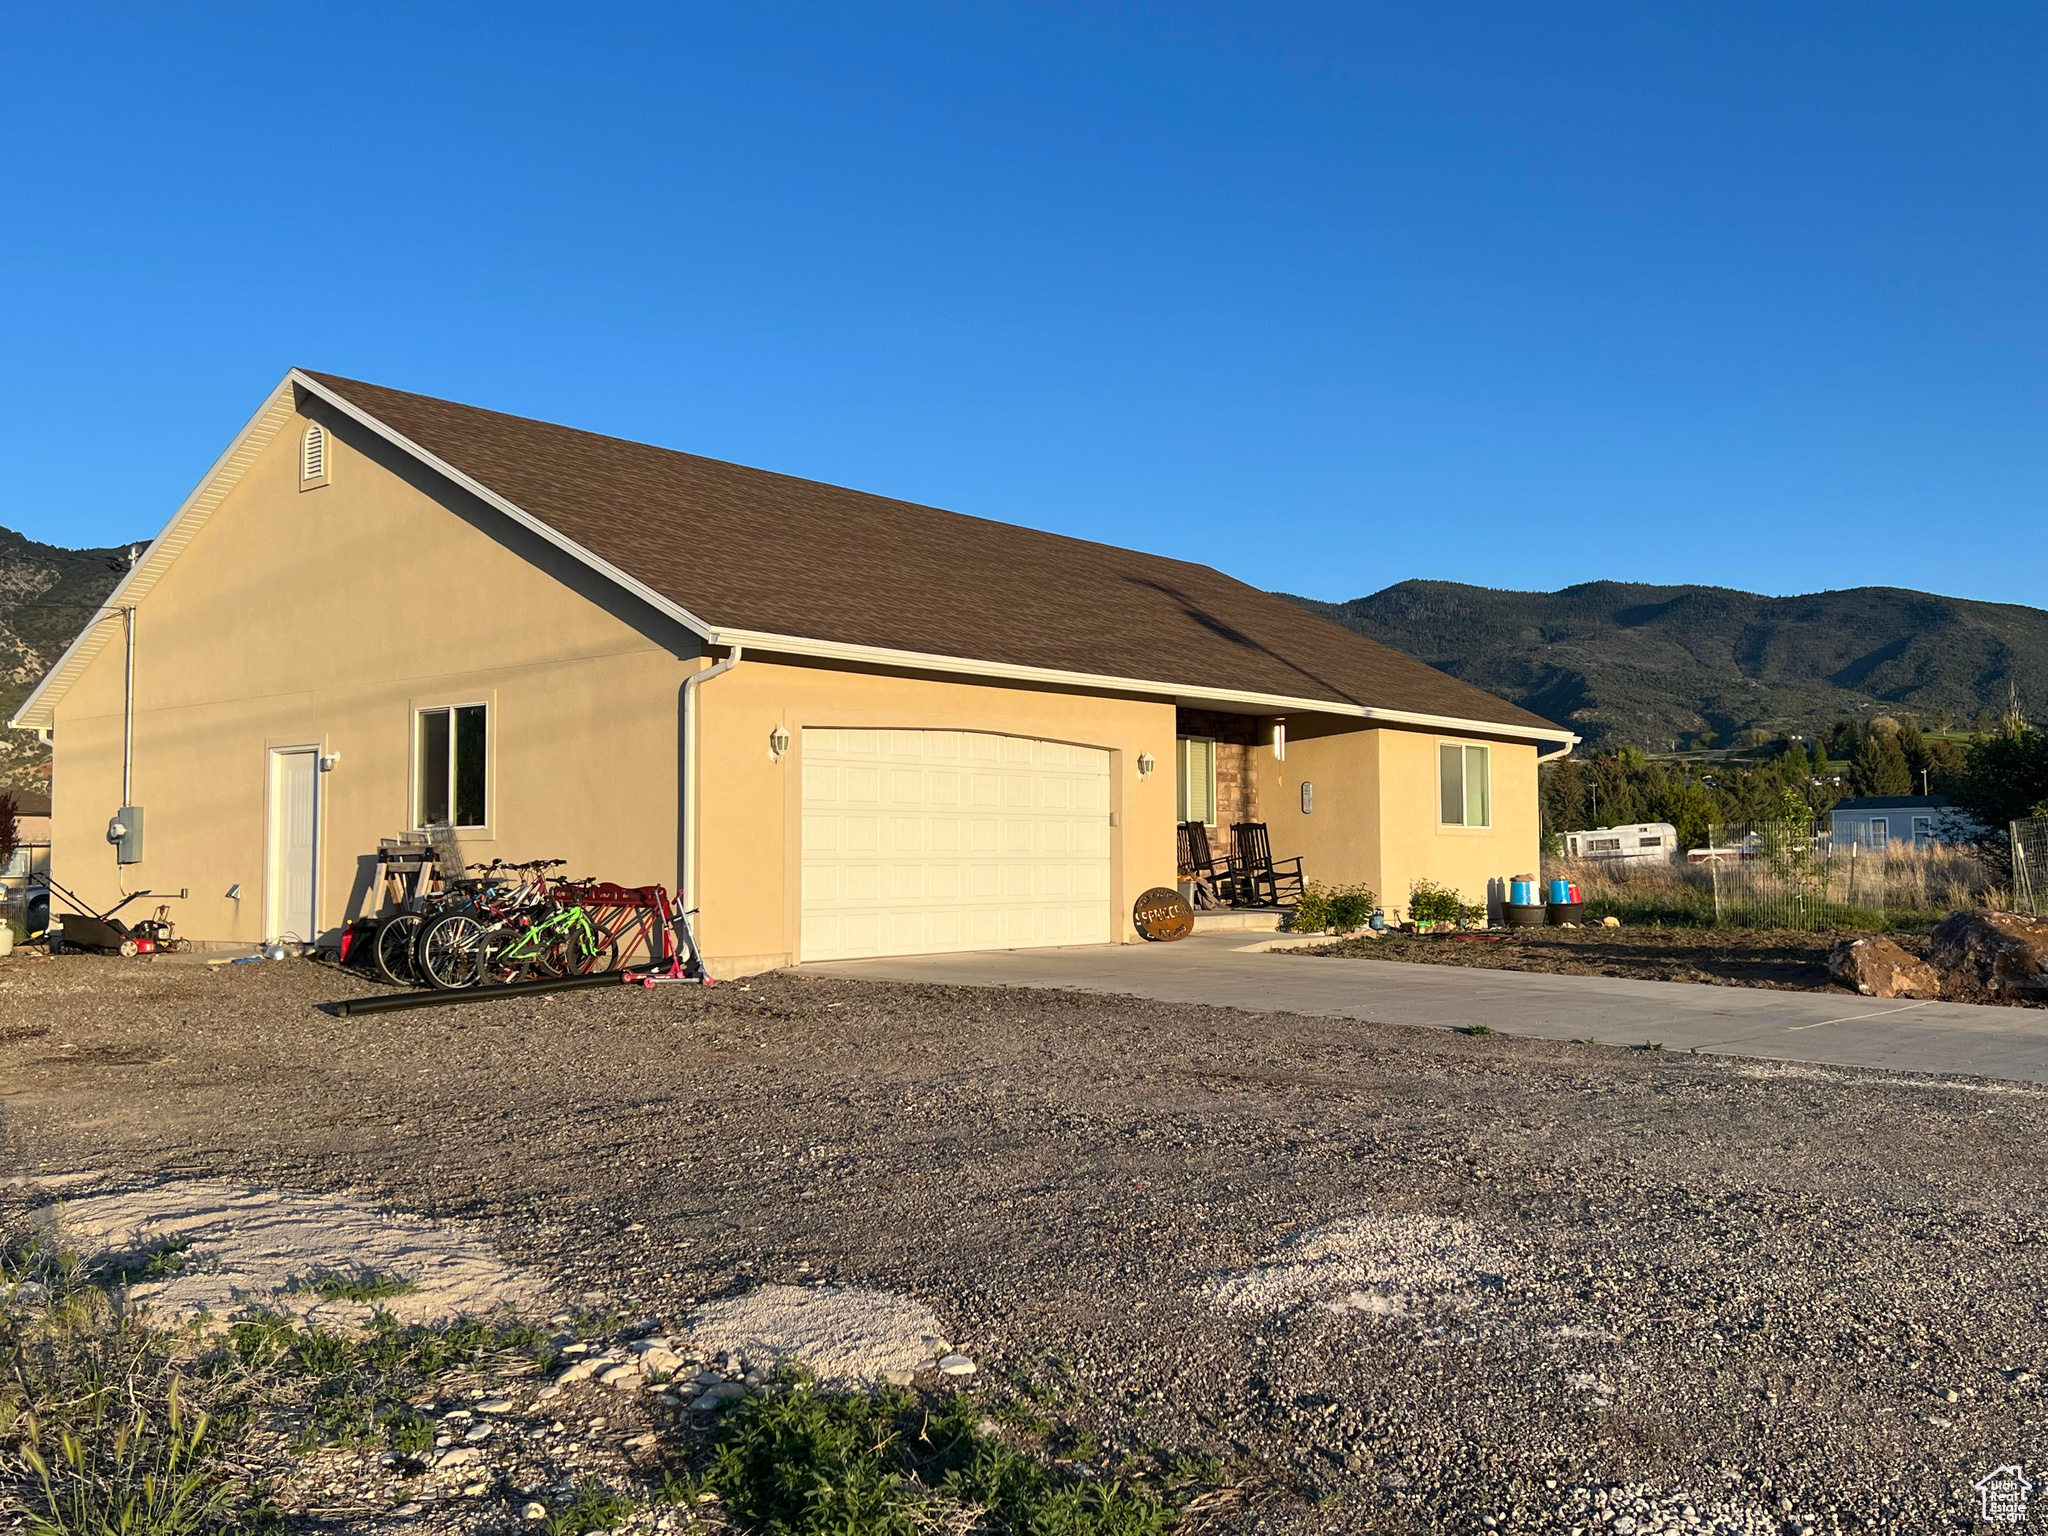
(313, 454)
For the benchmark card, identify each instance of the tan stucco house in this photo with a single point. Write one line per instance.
(847, 725)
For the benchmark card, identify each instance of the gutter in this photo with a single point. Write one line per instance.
(1262, 703)
(687, 873)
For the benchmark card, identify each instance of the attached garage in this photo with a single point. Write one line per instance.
(919, 842)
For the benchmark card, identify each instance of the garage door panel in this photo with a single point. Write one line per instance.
(896, 861)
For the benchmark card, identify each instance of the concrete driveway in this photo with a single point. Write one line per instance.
(1829, 1028)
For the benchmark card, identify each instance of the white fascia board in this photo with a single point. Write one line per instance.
(38, 710)
(519, 515)
(1266, 703)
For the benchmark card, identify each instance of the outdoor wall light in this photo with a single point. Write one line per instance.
(1146, 763)
(778, 743)
(1308, 798)
(328, 761)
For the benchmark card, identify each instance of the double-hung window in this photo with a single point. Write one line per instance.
(450, 778)
(1198, 780)
(1464, 785)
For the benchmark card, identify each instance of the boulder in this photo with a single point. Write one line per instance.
(1879, 968)
(1994, 956)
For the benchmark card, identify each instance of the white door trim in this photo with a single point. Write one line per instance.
(273, 894)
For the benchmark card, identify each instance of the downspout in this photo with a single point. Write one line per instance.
(688, 895)
(128, 712)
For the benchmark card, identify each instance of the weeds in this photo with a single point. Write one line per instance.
(805, 1464)
(119, 1429)
(145, 1473)
(594, 1508)
(362, 1285)
(158, 1263)
(1018, 1414)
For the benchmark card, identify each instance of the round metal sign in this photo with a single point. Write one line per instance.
(1163, 915)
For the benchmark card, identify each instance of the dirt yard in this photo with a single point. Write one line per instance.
(1721, 957)
(1392, 1280)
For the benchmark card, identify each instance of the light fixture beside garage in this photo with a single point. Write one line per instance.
(1146, 763)
(778, 743)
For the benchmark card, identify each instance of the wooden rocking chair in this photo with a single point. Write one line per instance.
(1215, 879)
(1265, 881)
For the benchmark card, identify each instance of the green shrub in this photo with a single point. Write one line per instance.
(808, 1464)
(1429, 902)
(1340, 907)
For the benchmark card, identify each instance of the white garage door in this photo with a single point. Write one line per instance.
(917, 842)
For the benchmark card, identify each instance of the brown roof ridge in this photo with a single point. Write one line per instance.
(759, 551)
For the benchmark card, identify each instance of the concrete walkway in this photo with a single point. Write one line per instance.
(1829, 1028)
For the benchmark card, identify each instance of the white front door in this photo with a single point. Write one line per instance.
(917, 842)
(294, 872)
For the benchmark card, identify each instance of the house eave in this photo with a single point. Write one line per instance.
(763, 641)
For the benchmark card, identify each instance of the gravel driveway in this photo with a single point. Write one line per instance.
(1396, 1280)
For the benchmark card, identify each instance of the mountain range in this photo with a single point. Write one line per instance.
(1619, 662)
(1628, 664)
(47, 594)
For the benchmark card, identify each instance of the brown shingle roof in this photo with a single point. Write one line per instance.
(748, 549)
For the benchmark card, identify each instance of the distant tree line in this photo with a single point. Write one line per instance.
(1996, 775)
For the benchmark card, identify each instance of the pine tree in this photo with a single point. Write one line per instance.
(1880, 768)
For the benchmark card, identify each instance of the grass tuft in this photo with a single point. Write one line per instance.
(360, 1285)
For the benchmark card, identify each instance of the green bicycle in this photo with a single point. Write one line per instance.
(536, 941)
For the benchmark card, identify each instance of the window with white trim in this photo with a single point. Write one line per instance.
(1880, 831)
(1464, 785)
(1198, 780)
(450, 750)
(313, 453)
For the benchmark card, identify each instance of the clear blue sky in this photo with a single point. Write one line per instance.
(1327, 296)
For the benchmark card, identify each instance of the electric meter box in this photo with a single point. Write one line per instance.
(128, 847)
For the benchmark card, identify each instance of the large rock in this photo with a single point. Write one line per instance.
(1879, 968)
(2000, 956)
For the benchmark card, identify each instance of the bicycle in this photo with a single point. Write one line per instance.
(502, 933)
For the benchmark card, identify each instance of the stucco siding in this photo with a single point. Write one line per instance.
(1376, 817)
(324, 618)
